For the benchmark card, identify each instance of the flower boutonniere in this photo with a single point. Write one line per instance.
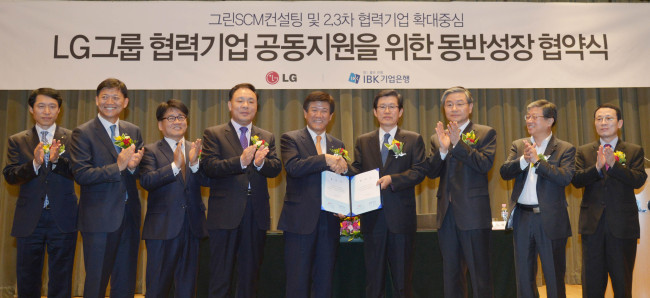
(255, 140)
(620, 157)
(46, 149)
(123, 141)
(341, 152)
(469, 138)
(351, 228)
(396, 147)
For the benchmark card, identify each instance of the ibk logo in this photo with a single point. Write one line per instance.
(273, 78)
(354, 78)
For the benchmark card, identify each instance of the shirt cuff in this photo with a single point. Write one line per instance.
(175, 169)
(260, 167)
(36, 166)
(523, 163)
(443, 155)
(195, 168)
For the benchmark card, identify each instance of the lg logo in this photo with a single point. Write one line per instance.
(273, 78)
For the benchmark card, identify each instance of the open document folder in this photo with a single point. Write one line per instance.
(350, 196)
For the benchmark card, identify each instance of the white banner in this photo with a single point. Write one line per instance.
(316, 45)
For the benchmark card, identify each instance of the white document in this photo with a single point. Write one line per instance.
(350, 196)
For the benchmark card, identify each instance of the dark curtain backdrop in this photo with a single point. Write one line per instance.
(281, 110)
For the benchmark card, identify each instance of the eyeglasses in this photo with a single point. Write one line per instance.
(390, 108)
(173, 118)
(605, 119)
(534, 117)
(458, 104)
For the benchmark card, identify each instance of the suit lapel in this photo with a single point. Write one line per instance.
(59, 134)
(308, 143)
(329, 143)
(550, 147)
(391, 154)
(103, 137)
(233, 139)
(375, 149)
(166, 150)
(32, 139)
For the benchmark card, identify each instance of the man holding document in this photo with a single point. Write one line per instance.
(389, 232)
(311, 235)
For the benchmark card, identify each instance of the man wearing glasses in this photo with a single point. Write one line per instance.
(461, 156)
(175, 220)
(542, 167)
(609, 170)
(109, 206)
(389, 233)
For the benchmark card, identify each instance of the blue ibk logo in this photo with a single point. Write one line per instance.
(354, 78)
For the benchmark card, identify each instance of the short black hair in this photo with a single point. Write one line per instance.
(319, 96)
(243, 86)
(549, 110)
(388, 92)
(170, 104)
(610, 106)
(49, 92)
(111, 83)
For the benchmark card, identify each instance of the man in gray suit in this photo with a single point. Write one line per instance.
(542, 167)
(462, 156)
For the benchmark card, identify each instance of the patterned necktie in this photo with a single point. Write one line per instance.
(182, 165)
(46, 158)
(384, 149)
(243, 140)
(606, 165)
(318, 149)
(117, 148)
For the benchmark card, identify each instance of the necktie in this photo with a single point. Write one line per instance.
(606, 165)
(384, 149)
(318, 149)
(182, 165)
(242, 138)
(117, 148)
(46, 159)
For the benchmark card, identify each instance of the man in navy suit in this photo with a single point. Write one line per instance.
(311, 235)
(389, 233)
(464, 215)
(238, 208)
(609, 220)
(175, 220)
(542, 167)
(46, 210)
(109, 206)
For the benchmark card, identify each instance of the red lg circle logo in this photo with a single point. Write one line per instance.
(272, 77)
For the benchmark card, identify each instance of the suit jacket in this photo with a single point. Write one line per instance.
(229, 183)
(57, 183)
(103, 186)
(398, 200)
(302, 199)
(463, 178)
(170, 197)
(614, 190)
(553, 177)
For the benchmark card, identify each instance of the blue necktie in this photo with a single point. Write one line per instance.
(242, 138)
(117, 148)
(46, 159)
(384, 149)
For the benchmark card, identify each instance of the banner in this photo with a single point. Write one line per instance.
(323, 45)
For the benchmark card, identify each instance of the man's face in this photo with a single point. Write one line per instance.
(456, 107)
(606, 124)
(318, 116)
(536, 123)
(388, 111)
(243, 106)
(45, 111)
(175, 129)
(110, 103)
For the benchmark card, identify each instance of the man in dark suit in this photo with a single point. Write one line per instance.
(311, 235)
(109, 206)
(389, 233)
(609, 170)
(175, 220)
(46, 210)
(238, 209)
(462, 156)
(542, 167)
